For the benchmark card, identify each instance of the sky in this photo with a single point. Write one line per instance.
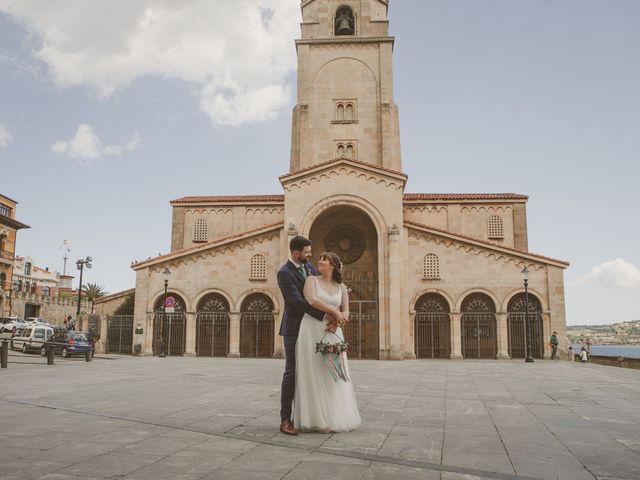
(109, 109)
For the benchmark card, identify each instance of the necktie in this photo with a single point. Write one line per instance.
(302, 271)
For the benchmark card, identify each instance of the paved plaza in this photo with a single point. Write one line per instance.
(203, 418)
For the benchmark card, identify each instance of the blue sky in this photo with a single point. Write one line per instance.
(111, 109)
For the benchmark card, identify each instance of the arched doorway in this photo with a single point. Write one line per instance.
(479, 339)
(212, 326)
(256, 326)
(348, 232)
(169, 328)
(516, 323)
(432, 327)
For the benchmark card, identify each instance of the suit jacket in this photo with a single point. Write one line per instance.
(291, 284)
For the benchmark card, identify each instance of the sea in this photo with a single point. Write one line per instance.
(630, 351)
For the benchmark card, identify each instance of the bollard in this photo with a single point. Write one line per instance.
(88, 355)
(50, 352)
(5, 354)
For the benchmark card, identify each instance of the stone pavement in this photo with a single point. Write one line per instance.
(203, 418)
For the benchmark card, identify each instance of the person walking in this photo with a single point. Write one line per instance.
(570, 354)
(553, 343)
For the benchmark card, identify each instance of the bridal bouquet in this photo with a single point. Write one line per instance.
(333, 355)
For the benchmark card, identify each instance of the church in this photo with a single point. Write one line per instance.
(430, 275)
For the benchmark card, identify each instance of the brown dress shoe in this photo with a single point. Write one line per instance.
(287, 428)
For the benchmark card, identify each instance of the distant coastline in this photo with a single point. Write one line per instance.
(617, 334)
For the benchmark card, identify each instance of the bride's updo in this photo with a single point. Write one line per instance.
(334, 260)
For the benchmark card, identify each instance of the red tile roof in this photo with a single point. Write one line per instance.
(407, 197)
(230, 199)
(464, 196)
(112, 296)
(204, 246)
(421, 226)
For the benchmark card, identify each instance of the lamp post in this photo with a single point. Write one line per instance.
(527, 330)
(166, 274)
(81, 264)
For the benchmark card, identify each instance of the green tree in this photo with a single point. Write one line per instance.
(93, 291)
(127, 305)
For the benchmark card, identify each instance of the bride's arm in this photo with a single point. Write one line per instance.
(309, 292)
(344, 304)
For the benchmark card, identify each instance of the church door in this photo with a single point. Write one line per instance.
(479, 339)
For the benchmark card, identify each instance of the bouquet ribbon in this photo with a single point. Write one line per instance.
(334, 357)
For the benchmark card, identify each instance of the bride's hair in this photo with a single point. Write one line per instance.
(334, 260)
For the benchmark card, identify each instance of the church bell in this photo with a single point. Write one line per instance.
(344, 26)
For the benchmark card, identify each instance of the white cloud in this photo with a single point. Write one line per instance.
(5, 135)
(237, 53)
(85, 146)
(617, 273)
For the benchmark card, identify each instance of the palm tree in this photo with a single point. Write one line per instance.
(92, 291)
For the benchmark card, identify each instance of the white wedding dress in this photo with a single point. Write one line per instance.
(321, 403)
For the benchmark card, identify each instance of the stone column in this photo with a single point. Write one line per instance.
(190, 340)
(147, 342)
(502, 334)
(101, 346)
(546, 334)
(395, 306)
(234, 334)
(456, 341)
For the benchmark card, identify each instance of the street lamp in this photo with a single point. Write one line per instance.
(527, 330)
(81, 264)
(166, 274)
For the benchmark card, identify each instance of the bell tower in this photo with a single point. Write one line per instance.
(345, 106)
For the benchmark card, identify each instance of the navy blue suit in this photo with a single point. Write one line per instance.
(291, 285)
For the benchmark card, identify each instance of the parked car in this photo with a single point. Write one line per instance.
(11, 324)
(36, 321)
(31, 338)
(68, 343)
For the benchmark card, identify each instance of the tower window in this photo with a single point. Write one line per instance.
(345, 111)
(258, 267)
(200, 233)
(346, 149)
(27, 268)
(496, 230)
(345, 23)
(430, 266)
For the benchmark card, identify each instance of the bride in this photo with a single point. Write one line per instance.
(322, 403)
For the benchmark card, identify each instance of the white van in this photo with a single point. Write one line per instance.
(31, 338)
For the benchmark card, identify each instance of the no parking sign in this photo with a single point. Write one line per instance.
(169, 305)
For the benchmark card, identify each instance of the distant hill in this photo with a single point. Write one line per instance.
(625, 333)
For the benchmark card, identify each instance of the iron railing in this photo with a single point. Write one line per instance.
(120, 334)
(170, 328)
(256, 334)
(362, 332)
(432, 335)
(479, 338)
(212, 334)
(516, 322)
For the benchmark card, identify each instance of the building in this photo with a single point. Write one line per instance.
(28, 278)
(430, 275)
(9, 227)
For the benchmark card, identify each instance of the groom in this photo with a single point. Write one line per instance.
(291, 278)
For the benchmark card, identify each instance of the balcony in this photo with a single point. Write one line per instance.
(6, 257)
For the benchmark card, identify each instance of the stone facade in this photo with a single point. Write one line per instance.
(430, 275)
(9, 227)
(52, 309)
